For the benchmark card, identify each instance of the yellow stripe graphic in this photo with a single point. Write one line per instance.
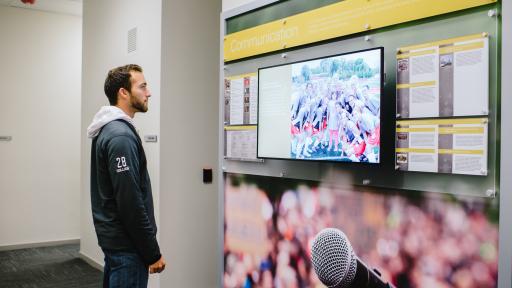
(417, 84)
(461, 151)
(240, 128)
(418, 53)
(458, 48)
(444, 42)
(241, 76)
(461, 130)
(335, 20)
(415, 129)
(442, 121)
(415, 150)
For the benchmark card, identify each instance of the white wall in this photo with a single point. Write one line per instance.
(230, 4)
(105, 30)
(189, 126)
(186, 34)
(40, 57)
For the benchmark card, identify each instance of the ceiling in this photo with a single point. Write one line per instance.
(72, 7)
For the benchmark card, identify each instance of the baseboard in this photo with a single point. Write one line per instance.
(91, 261)
(39, 244)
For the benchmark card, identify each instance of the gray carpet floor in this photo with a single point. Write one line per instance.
(55, 267)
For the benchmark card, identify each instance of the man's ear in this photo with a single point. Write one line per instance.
(123, 93)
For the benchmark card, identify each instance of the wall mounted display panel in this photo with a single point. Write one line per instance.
(469, 22)
(457, 145)
(241, 99)
(444, 78)
(240, 142)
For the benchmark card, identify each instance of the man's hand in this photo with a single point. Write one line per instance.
(158, 266)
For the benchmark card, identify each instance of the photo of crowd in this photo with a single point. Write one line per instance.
(335, 108)
(413, 239)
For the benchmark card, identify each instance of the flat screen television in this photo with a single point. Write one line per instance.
(324, 109)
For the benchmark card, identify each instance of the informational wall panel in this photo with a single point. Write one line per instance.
(444, 78)
(240, 142)
(457, 146)
(241, 99)
(439, 123)
(460, 30)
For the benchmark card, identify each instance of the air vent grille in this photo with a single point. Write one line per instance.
(132, 40)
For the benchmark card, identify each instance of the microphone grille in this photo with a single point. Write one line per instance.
(333, 258)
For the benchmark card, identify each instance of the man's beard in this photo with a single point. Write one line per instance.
(138, 105)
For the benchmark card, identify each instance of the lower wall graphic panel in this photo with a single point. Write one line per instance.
(415, 239)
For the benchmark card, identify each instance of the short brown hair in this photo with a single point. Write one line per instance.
(118, 78)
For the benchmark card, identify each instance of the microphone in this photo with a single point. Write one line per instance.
(337, 266)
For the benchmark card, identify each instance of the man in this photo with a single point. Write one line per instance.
(121, 197)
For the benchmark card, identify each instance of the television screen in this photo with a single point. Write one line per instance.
(325, 109)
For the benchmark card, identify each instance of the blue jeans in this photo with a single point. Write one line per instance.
(123, 270)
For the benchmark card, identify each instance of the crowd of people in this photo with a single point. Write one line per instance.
(336, 119)
(427, 242)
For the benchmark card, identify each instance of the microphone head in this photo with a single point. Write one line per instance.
(333, 258)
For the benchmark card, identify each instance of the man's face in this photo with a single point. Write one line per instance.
(139, 93)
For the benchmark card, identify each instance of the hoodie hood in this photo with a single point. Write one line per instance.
(106, 115)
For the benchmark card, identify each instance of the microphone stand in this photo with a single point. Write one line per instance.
(369, 278)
